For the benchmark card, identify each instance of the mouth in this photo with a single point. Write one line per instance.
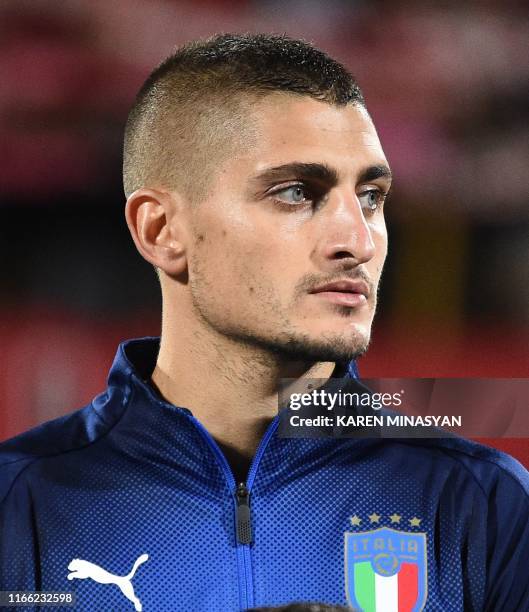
(352, 293)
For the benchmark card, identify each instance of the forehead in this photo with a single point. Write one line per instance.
(299, 128)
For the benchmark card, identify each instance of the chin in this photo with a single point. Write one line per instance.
(339, 342)
(353, 331)
(326, 346)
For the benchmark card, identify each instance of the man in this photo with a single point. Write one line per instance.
(255, 185)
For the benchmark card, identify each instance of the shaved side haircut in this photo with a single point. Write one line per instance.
(192, 110)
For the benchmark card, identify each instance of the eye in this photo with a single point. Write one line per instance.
(293, 195)
(372, 199)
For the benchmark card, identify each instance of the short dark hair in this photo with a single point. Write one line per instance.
(191, 107)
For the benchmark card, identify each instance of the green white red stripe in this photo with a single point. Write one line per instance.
(376, 593)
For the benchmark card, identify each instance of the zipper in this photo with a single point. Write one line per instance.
(244, 518)
(243, 513)
(241, 497)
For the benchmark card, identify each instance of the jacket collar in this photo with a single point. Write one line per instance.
(137, 357)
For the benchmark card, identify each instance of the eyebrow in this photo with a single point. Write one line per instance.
(301, 170)
(375, 172)
(319, 172)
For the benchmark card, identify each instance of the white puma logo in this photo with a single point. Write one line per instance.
(84, 569)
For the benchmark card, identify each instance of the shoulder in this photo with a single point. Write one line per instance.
(488, 464)
(488, 467)
(73, 432)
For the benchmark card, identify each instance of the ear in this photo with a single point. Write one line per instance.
(157, 229)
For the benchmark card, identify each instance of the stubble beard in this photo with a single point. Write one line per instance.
(300, 347)
(283, 341)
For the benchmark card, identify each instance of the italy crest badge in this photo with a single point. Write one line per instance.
(385, 570)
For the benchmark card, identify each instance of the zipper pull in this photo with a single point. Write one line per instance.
(244, 524)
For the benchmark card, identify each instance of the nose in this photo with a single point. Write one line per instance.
(346, 233)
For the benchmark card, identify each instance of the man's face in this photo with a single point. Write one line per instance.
(290, 242)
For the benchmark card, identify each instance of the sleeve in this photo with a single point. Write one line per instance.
(507, 586)
(18, 546)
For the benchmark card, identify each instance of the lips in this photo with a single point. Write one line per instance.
(344, 292)
(344, 286)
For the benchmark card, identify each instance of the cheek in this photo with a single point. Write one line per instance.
(244, 255)
(231, 263)
(380, 238)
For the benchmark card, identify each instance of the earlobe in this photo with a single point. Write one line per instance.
(153, 221)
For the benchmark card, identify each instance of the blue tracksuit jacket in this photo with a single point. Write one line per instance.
(130, 504)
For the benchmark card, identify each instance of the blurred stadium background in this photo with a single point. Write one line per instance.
(447, 84)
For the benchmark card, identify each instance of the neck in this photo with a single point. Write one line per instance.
(229, 386)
